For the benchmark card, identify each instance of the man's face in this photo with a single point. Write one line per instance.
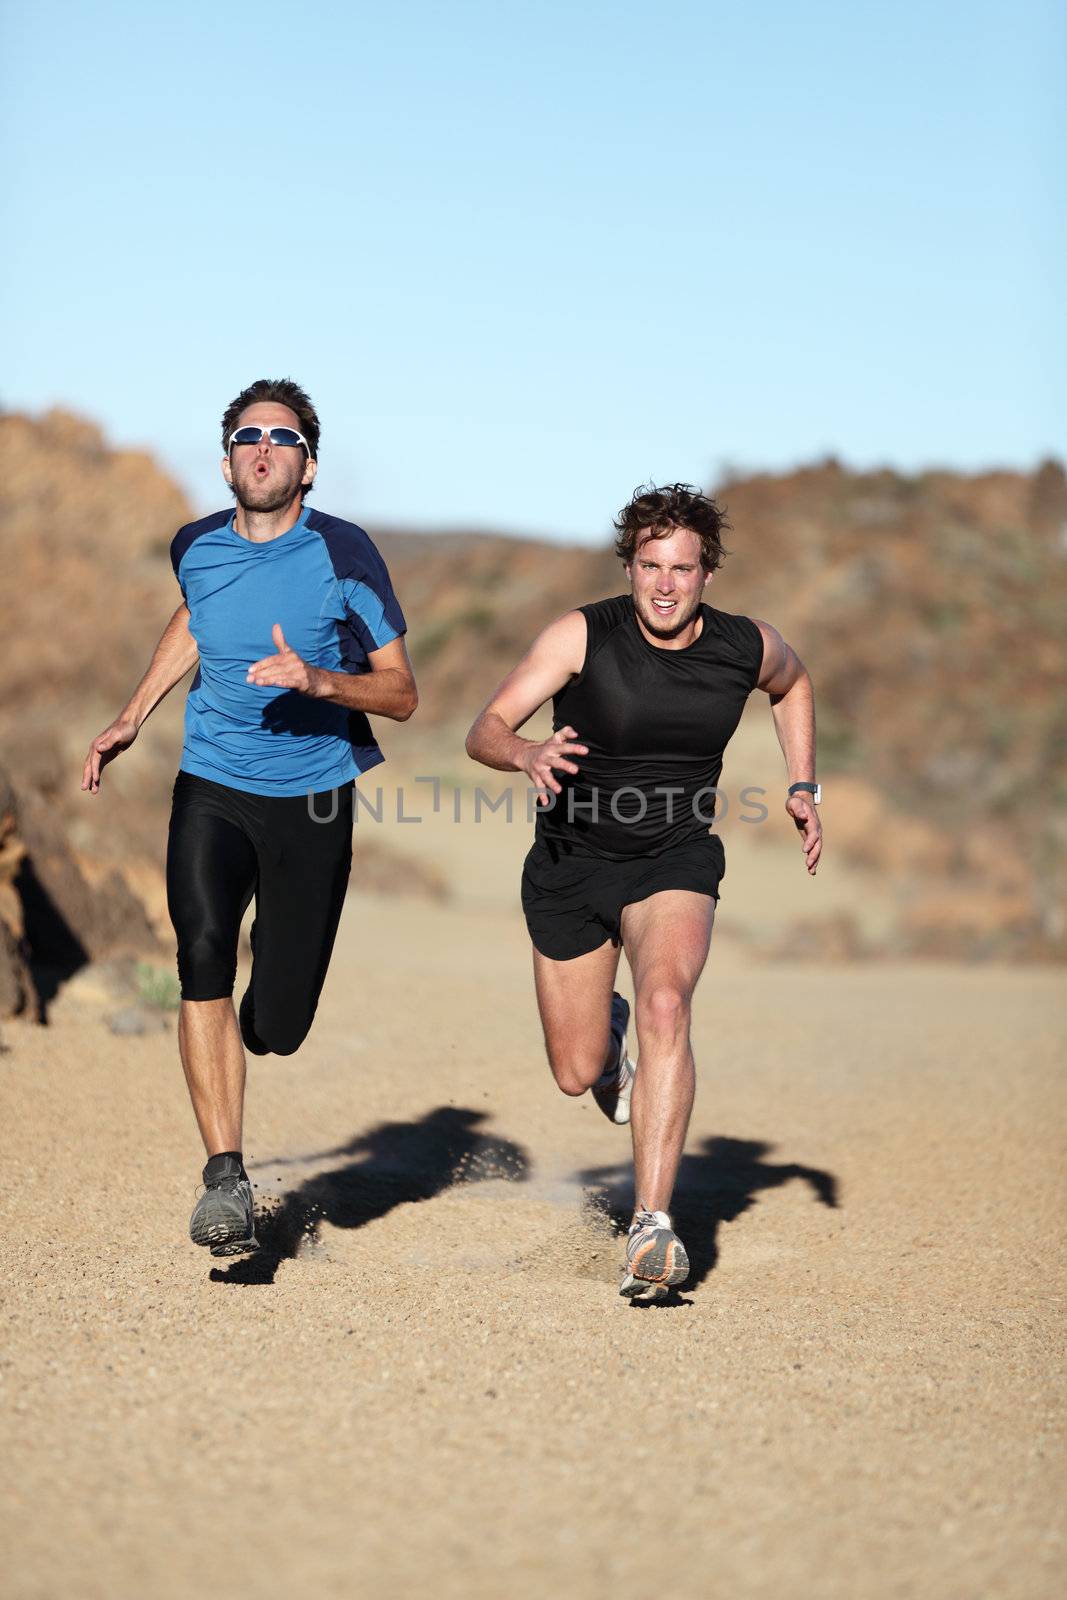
(265, 476)
(667, 581)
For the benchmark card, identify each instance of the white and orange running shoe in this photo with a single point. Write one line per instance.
(655, 1257)
(613, 1088)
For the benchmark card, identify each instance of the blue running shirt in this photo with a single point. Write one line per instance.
(326, 584)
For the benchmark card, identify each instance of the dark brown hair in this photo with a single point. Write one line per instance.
(283, 392)
(656, 513)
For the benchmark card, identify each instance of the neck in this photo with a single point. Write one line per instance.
(262, 526)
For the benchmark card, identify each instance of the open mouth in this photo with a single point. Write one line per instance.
(665, 607)
(262, 469)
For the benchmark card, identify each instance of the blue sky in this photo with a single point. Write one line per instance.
(524, 257)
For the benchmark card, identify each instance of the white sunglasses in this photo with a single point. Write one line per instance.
(252, 433)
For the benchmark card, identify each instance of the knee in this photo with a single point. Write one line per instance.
(286, 1045)
(206, 966)
(663, 1011)
(575, 1071)
(264, 1034)
(282, 1040)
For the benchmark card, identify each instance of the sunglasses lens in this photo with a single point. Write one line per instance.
(285, 436)
(248, 436)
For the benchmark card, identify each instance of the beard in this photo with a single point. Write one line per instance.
(667, 628)
(273, 493)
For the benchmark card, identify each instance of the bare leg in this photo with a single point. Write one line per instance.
(213, 1059)
(574, 998)
(667, 938)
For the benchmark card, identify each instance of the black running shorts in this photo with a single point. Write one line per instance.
(574, 903)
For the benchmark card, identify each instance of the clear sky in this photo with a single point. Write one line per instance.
(525, 256)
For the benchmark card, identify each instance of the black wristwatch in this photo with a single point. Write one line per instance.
(814, 789)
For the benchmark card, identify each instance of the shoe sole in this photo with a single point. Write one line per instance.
(222, 1241)
(638, 1289)
(221, 1237)
(665, 1265)
(237, 1247)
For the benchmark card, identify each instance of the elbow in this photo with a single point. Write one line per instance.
(409, 704)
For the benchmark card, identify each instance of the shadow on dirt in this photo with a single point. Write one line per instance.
(393, 1164)
(716, 1184)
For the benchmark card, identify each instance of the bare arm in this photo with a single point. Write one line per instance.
(387, 690)
(555, 656)
(784, 678)
(175, 653)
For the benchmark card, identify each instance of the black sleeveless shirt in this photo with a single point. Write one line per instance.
(657, 723)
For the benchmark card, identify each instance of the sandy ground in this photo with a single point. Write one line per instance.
(426, 1383)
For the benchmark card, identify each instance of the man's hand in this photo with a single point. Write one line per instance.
(171, 660)
(542, 761)
(104, 748)
(286, 670)
(805, 814)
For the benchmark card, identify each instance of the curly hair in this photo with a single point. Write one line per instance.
(283, 392)
(655, 513)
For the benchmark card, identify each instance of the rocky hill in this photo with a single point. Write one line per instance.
(931, 610)
(85, 537)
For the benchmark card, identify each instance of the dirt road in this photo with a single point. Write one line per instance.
(426, 1384)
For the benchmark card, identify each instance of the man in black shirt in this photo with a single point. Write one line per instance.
(647, 690)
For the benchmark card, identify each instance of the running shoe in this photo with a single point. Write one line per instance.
(655, 1257)
(223, 1216)
(613, 1088)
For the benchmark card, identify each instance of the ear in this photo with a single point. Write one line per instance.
(226, 471)
(708, 577)
(310, 471)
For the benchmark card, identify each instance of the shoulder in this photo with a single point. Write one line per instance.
(740, 636)
(604, 618)
(362, 577)
(589, 629)
(607, 614)
(191, 531)
(732, 625)
(352, 552)
(777, 655)
(563, 636)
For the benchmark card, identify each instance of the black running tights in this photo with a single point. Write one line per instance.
(294, 854)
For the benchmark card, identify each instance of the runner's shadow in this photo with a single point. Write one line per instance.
(716, 1184)
(394, 1163)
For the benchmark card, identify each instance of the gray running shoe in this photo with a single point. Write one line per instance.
(223, 1216)
(655, 1257)
(613, 1088)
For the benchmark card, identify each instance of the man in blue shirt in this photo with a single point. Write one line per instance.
(291, 618)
